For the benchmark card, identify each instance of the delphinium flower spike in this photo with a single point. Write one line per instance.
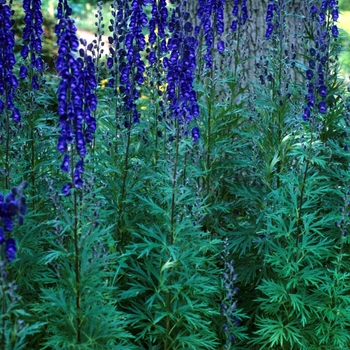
(32, 43)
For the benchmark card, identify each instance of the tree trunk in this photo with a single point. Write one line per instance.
(248, 42)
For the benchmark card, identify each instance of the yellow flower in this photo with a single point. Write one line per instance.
(103, 83)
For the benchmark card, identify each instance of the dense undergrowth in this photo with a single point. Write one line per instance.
(156, 195)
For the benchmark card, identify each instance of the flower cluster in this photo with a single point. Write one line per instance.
(8, 80)
(207, 10)
(96, 47)
(273, 17)
(239, 13)
(32, 33)
(180, 66)
(76, 94)
(119, 28)
(158, 23)
(318, 57)
(12, 206)
(127, 58)
(229, 305)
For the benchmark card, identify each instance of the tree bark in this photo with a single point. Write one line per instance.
(248, 42)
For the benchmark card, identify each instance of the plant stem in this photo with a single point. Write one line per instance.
(125, 175)
(7, 165)
(3, 303)
(301, 201)
(172, 224)
(76, 248)
(171, 233)
(33, 164)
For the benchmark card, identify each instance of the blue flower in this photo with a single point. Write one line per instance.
(335, 31)
(335, 14)
(322, 107)
(10, 248)
(309, 74)
(195, 134)
(65, 164)
(66, 189)
(221, 46)
(322, 90)
(313, 10)
(23, 72)
(306, 114)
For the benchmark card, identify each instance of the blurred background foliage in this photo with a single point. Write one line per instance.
(84, 14)
(344, 23)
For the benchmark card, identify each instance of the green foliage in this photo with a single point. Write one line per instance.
(344, 5)
(134, 259)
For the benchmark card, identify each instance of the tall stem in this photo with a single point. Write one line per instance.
(76, 248)
(7, 151)
(3, 303)
(301, 201)
(171, 233)
(32, 163)
(173, 195)
(125, 175)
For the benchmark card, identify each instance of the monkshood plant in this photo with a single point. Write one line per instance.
(170, 299)
(287, 234)
(14, 330)
(77, 290)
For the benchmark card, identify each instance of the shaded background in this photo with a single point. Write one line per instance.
(84, 14)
